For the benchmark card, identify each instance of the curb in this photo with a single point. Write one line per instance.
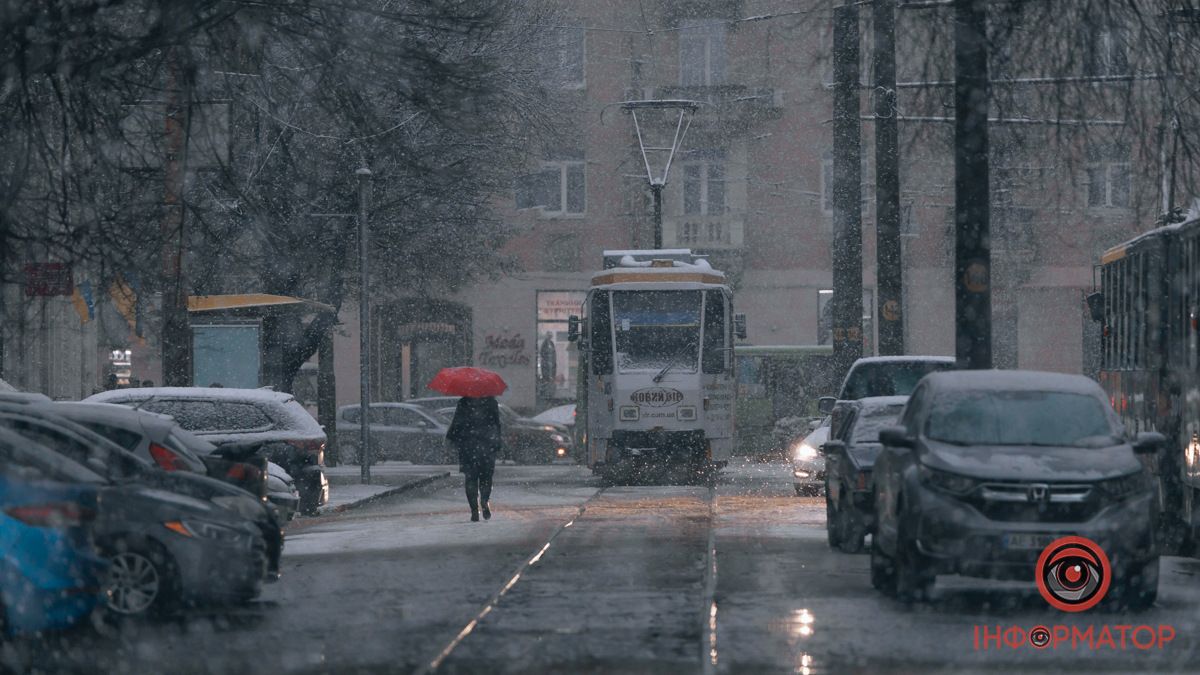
(399, 489)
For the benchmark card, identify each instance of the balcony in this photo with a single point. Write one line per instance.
(701, 232)
(727, 107)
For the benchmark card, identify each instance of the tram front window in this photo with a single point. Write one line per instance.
(657, 329)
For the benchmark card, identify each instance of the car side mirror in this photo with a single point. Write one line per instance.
(1095, 303)
(572, 329)
(739, 326)
(832, 447)
(897, 437)
(825, 404)
(1148, 442)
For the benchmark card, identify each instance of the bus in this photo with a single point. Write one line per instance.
(1149, 306)
(656, 392)
(775, 382)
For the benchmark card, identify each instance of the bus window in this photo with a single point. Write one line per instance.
(600, 340)
(713, 360)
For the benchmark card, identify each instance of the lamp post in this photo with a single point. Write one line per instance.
(660, 126)
(364, 328)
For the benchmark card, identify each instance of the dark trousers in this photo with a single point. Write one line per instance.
(479, 484)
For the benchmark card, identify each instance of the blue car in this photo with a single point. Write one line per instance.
(50, 575)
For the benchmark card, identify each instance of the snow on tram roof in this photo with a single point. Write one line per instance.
(1117, 252)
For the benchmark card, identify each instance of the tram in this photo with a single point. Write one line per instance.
(1149, 306)
(657, 390)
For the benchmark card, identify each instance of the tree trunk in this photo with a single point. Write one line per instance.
(972, 246)
(847, 191)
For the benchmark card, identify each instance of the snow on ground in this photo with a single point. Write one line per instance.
(342, 495)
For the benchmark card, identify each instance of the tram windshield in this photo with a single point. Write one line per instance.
(657, 329)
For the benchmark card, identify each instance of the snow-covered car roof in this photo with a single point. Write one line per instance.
(206, 393)
(872, 402)
(4, 386)
(100, 411)
(562, 414)
(1013, 380)
(908, 358)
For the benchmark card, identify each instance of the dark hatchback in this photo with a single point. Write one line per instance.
(987, 468)
(849, 460)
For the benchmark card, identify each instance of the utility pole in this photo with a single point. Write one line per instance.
(847, 191)
(327, 392)
(364, 328)
(889, 267)
(972, 245)
(176, 350)
(657, 190)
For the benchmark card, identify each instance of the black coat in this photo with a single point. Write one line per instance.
(475, 433)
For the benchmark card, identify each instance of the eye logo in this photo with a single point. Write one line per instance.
(1073, 574)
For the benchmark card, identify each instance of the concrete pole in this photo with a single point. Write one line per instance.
(364, 327)
(847, 191)
(888, 253)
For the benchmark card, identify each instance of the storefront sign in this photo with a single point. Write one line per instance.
(504, 350)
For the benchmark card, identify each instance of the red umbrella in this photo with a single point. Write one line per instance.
(468, 381)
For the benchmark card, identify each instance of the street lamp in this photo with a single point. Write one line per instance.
(364, 328)
(660, 126)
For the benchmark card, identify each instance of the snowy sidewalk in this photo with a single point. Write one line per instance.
(347, 493)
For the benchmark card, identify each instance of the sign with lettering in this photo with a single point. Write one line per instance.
(504, 350)
(657, 397)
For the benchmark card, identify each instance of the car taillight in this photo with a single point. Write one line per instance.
(167, 459)
(243, 472)
(62, 514)
(313, 447)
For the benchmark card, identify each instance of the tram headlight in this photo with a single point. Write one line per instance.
(630, 413)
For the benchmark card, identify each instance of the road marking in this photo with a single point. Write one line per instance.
(708, 629)
(437, 661)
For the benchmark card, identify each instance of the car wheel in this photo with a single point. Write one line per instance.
(832, 530)
(850, 534)
(799, 489)
(883, 570)
(1139, 589)
(913, 581)
(141, 580)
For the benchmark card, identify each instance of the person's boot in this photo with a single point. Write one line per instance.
(474, 516)
(487, 513)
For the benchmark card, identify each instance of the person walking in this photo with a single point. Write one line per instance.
(475, 433)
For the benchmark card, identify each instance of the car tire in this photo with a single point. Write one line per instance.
(799, 489)
(143, 579)
(1139, 588)
(883, 570)
(850, 536)
(913, 582)
(832, 530)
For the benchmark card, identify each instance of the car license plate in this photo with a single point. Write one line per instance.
(1027, 542)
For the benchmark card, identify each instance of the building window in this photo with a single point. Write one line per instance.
(702, 53)
(703, 188)
(569, 57)
(558, 188)
(1109, 179)
(1105, 52)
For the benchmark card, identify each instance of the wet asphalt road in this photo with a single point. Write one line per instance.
(572, 578)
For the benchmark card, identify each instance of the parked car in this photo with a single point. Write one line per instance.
(157, 439)
(525, 441)
(562, 415)
(51, 576)
(283, 429)
(399, 431)
(129, 530)
(986, 468)
(808, 465)
(885, 376)
(849, 460)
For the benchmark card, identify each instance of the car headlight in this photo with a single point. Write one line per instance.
(1125, 486)
(803, 452)
(203, 529)
(946, 481)
(246, 507)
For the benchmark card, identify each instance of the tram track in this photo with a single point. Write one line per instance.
(706, 613)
